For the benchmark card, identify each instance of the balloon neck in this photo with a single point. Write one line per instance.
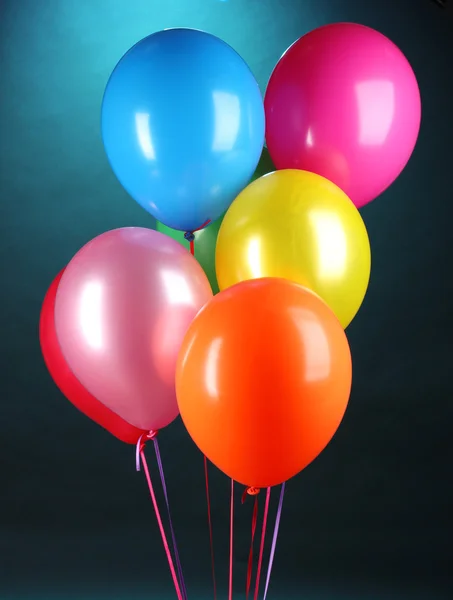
(147, 437)
(250, 491)
(189, 236)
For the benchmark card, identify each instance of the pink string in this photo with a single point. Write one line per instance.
(263, 535)
(141, 456)
(211, 538)
(170, 521)
(230, 587)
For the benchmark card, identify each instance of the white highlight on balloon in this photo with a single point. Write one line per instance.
(254, 258)
(376, 103)
(227, 112)
(142, 126)
(211, 374)
(90, 317)
(332, 244)
(176, 288)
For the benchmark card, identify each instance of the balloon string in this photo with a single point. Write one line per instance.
(274, 539)
(263, 535)
(251, 491)
(211, 539)
(250, 563)
(205, 224)
(142, 459)
(172, 531)
(230, 579)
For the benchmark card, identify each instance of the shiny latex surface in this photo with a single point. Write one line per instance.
(343, 102)
(183, 126)
(67, 382)
(263, 380)
(123, 306)
(299, 226)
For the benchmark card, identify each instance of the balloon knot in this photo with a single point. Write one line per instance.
(189, 236)
(147, 438)
(144, 438)
(250, 491)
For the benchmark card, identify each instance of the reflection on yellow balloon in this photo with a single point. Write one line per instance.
(299, 226)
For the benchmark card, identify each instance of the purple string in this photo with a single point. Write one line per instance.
(274, 539)
(137, 452)
(173, 537)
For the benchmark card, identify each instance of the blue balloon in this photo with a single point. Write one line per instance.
(183, 126)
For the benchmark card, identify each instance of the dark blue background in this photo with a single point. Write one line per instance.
(371, 518)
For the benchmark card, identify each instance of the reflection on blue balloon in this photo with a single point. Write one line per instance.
(183, 126)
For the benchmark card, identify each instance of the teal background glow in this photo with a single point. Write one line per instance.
(371, 518)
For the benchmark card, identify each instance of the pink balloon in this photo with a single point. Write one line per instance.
(343, 102)
(123, 306)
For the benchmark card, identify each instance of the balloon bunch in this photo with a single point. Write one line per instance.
(244, 335)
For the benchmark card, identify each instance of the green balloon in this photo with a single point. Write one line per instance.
(265, 165)
(204, 246)
(206, 239)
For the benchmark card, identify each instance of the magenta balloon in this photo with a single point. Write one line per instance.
(343, 102)
(123, 306)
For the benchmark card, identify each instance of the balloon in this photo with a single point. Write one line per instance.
(66, 381)
(206, 238)
(265, 165)
(123, 306)
(263, 380)
(204, 247)
(299, 226)
(183, 126)
(344, 102)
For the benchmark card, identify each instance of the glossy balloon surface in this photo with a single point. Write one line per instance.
(183, 125)
(263, 380)
(68, 383)
(123, 306)
(302, 227)
(343, 102)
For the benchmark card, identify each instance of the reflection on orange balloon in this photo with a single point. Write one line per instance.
(263, 380)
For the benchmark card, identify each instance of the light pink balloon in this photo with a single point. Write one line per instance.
(123, 306)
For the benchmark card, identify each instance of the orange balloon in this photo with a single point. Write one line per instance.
(263, 380)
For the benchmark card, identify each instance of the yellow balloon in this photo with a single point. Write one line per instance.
(299, 226)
